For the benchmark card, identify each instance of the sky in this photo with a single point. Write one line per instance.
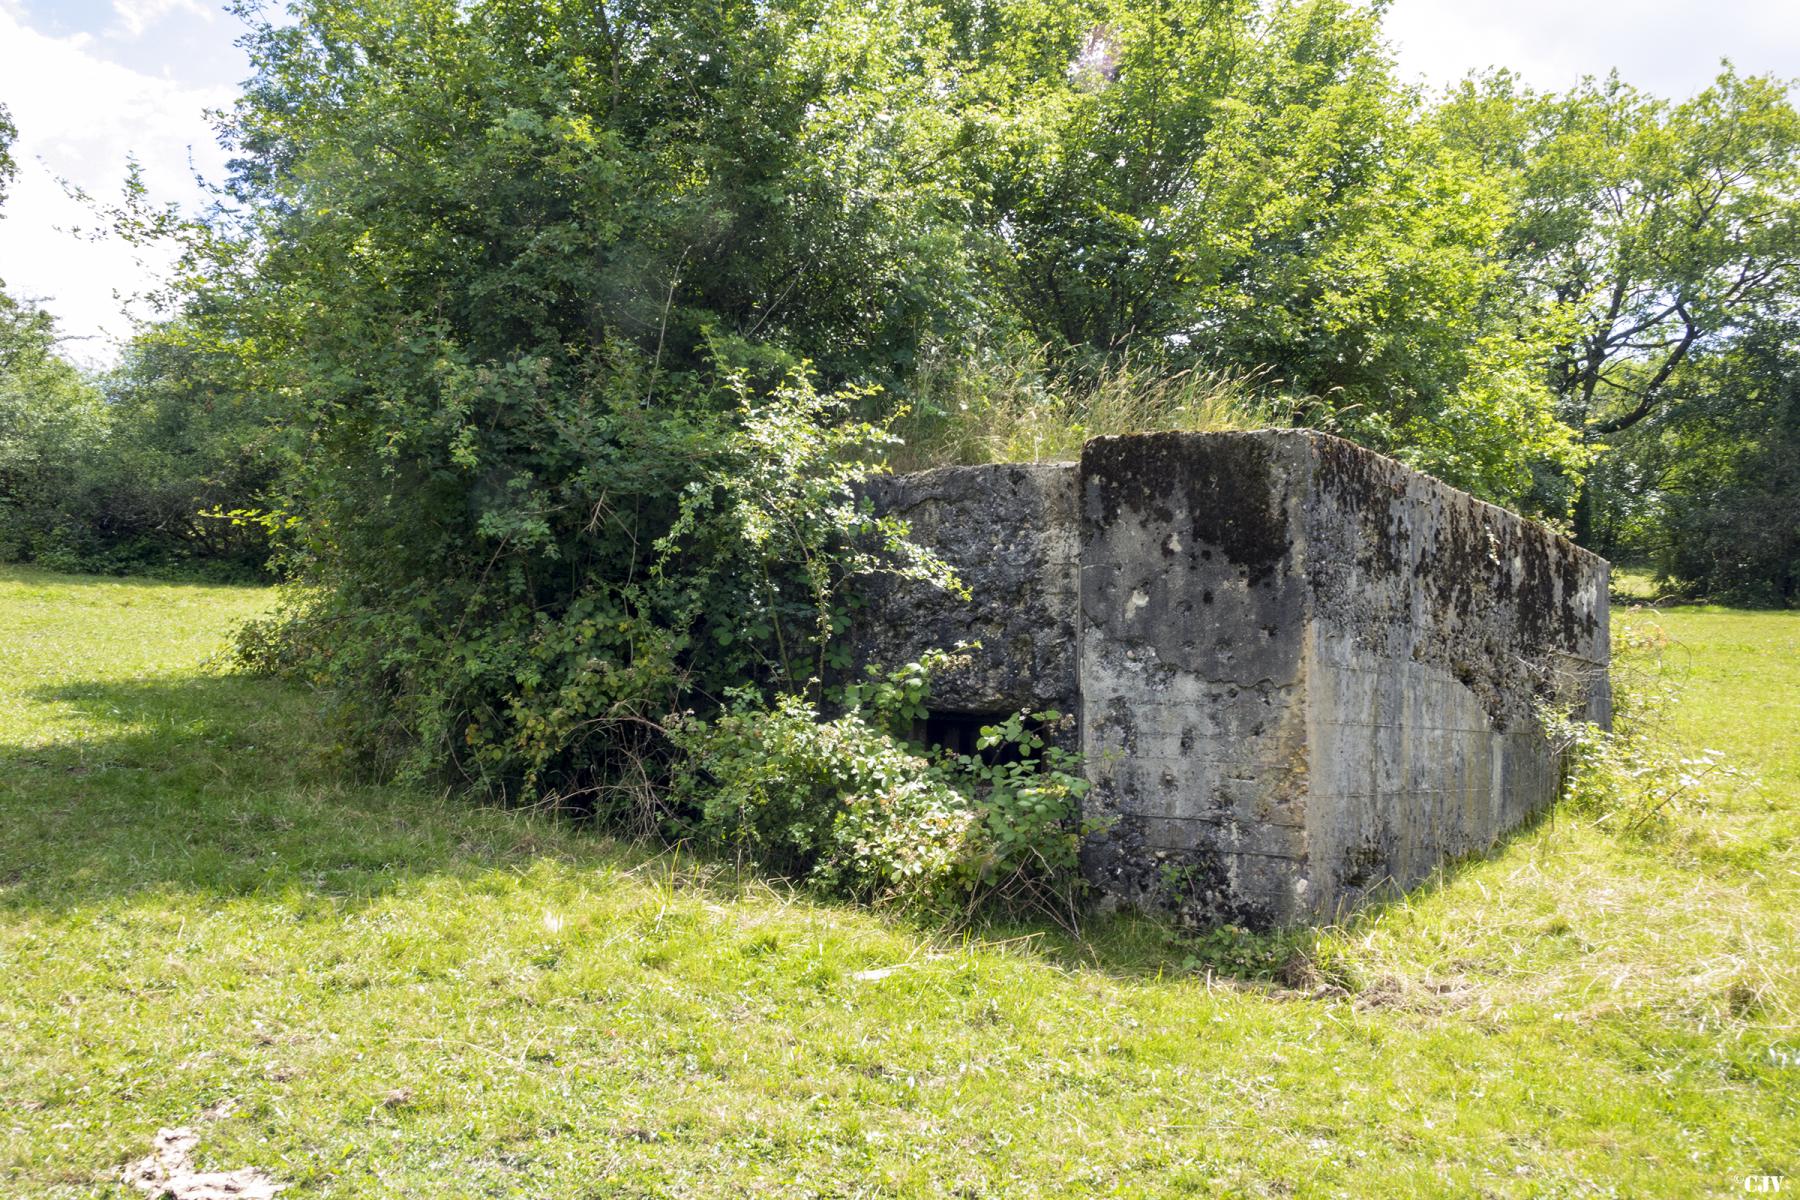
(91, 82)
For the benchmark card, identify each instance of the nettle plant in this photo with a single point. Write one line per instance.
(1029, 792)
(1023, 787)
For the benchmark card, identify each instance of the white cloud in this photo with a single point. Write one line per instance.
(1669, 47)
(135, 16)
(80, 118)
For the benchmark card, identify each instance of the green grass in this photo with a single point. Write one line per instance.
(369, 991)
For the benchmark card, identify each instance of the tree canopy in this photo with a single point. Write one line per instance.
(9, 133)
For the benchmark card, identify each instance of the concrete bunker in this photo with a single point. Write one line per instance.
(1301, 674)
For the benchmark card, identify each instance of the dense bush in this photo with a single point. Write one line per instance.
(51, 418)
(1738, 540)
(853, 802)
(728, 566)
(1248, 187)
(1706, 491)
(541, 281)
(131, 471)
(1721, 476)
(679, 551)
(839, 801)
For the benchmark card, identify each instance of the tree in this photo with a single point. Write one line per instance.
(564, 175)
(9, 133)
(1648, 233)
(51, 421)
(531, 282)
(1248, 186)
(112, 473)
(1706, 488)
(116, 472)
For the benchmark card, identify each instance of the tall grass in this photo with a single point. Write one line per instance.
(1011, 404)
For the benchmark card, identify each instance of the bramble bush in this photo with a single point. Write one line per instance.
(681, 692)
(858, 804)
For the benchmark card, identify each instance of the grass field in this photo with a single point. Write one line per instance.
(367, 991)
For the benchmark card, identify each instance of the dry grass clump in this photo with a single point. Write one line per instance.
(1012, 405)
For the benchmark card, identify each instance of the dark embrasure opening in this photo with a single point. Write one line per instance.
(960, 733)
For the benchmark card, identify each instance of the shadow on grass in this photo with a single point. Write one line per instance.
(223, 787)
(1298, 961)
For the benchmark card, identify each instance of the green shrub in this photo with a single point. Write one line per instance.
(841, 802)
(1635, 777)
(122, 473)
(855, 805)
(653, 560)
(1030, 804)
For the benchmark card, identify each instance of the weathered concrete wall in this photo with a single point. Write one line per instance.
(1304, 674)
(1193, 672)
(1011, 533)
(1309, 673)
(1438, 622)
